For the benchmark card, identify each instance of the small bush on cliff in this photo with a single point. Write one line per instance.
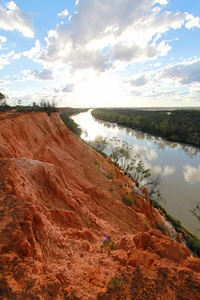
(110, 175)
(194, 245)
(128, 200)
(116, 282)
(108, 244)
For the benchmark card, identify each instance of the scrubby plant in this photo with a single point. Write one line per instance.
(108, 244)
(128, 200)
(116, 282)
(97, 163)
(110, 175)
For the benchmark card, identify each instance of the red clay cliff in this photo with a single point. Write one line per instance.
(65, 231)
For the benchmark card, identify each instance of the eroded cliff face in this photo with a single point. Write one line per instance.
(65, 231)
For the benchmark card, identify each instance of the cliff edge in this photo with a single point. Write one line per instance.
(65, 230)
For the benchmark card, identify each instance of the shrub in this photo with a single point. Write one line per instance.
(194, 245)
(128, 200)
(97, 163)
(110, 175)
(108, 244)
(116, 282)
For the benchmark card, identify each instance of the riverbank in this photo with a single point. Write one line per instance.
(174, 125)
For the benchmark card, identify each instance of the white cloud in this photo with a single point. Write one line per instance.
(63, 14)
(191, 174)
(31, 54)
(3, 82)
(4, 60)
(192, 22)
(102, 35)
(162, 2)
(13, 18)
(3, 39)
(11, 5)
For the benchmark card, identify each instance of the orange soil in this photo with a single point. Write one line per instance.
(58, 200)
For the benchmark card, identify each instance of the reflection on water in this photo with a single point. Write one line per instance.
(191, 174)
(178, 164)
(160, 142)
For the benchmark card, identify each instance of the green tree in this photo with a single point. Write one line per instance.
(124, 156)
(69, 122)
(2, 99)
(99, 143)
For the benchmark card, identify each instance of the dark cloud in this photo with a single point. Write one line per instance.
(184, 73)
(45, 74)
(68, 88)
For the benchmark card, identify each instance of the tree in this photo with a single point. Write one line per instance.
(121, 151)
(99, 143)
(123, 155)
(2, 99)
(153, 186)
(196, 212)
(3, 105)
(69, 122)
(47, 106)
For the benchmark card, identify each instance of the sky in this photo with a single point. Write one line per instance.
(101, 53)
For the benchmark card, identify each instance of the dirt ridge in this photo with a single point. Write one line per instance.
(65, 231)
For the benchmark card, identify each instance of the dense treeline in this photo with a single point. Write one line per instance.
(71, 111)
(178, 125)
(69, 122)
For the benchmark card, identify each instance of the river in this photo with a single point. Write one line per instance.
(178, 164)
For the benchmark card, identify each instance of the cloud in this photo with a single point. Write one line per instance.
(13, 18)
(3, 39)
(68, 88)
(138, 53)
(45, 74)
(192, 22)
(138, 80)
(3, 82)
(101, 35)
(63, 14)
(31, 54)
(4, 60)
(191, 174)
(183, 73)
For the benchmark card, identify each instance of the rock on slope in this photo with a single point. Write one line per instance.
(65, 231)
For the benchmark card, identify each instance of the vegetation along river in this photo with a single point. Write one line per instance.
(178, 164)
